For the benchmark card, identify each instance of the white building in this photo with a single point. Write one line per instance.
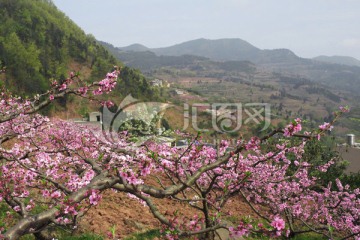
(178, 92)
(95, 117)
(156, 83)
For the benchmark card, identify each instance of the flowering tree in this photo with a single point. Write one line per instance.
(52, 172)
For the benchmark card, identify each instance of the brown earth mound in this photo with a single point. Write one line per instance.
(128, 216)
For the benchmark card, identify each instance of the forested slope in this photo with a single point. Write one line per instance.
(38, 42)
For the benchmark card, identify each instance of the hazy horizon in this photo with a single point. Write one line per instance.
(308, 28)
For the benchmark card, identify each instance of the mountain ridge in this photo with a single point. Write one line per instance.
(344, 60)
(283, 60)
(136, 47)
(225, 49)
(187, 48)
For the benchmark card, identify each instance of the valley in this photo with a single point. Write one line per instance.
(297, 87)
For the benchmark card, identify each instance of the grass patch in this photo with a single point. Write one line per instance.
(84, 236)
(148, 235)
(309, 236)
(355, 119)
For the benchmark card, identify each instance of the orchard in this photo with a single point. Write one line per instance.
(53, 171)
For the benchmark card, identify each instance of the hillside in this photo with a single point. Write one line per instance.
(339, 74)
(222, 50)
(306, 88)
(344, 60)
(135, 48)
(38, 42)
(148, 61)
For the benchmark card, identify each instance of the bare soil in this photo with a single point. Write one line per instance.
(128, 216)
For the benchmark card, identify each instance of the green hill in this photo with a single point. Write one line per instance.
(337, 72)
(148, 61)
(227, 49)
(136, 48)
(38, 42)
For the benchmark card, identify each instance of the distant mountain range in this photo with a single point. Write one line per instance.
(344, 60)
(147, 61)
(233, 49)
(337, 72)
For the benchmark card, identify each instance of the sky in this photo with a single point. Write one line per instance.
(307, 27)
